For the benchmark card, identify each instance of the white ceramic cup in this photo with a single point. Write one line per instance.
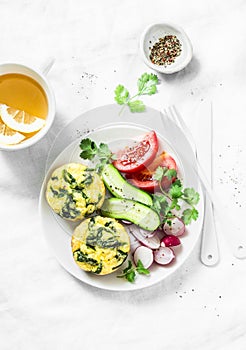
(7, 68)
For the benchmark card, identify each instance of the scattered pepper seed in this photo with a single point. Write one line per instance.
(165, 50)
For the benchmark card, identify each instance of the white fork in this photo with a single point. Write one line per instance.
(234, 235)
(209, 253)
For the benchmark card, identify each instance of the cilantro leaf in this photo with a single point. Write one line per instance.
(147, 84)
(159, 173)
(121, 95)
(136, 106)
(99, 166)
(178, 183)
(141, 269)
(170, 173)
(160, 204)
(191, 196)
(89, 149)
(101, 153)
(104, 151)
(174, 204)
(130, 276)
(189, 215)
(165, 208)
(129, 273)
(175, 191)
(128, 268)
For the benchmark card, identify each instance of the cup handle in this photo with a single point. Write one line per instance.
(47, 65)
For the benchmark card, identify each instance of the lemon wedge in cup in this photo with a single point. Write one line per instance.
(19, 120)
(9, 136)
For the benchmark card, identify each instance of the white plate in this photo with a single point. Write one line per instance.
(104, 124)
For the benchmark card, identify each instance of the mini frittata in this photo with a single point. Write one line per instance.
(74, 191)
(100, 245)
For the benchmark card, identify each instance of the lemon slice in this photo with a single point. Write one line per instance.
(9, 136)
(20, 120)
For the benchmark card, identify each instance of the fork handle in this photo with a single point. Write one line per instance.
(209, 245)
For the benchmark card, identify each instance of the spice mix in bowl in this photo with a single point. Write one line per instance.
(165, 47)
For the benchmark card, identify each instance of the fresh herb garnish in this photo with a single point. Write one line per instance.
(141, 269)
(129, 273)
(163, 171)
(102, 153)
(146, 86)
(166, 201)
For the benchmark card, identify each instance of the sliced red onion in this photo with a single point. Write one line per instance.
(177, 227)
(164, 255)
(170, 241)
(144, 254)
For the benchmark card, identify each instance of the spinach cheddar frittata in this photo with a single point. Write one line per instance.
(74, 191)
(100, 245)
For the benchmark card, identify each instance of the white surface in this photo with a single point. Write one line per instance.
(118, 135)
(96, 47)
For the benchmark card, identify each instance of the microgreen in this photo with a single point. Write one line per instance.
(147, 85)
(129, 273)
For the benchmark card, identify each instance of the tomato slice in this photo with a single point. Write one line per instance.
(144, 179)
(137, 157)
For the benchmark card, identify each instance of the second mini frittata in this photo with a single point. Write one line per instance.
(100, 245)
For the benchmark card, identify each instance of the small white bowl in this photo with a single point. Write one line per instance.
(7, 68)
(153, 33)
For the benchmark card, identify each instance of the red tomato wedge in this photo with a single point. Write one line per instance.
(137, 157)
(144, 179)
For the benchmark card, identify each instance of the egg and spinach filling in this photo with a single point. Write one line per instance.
(75, 191)
(100, 245)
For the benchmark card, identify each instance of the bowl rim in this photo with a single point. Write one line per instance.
(50, 96)
(166, 69)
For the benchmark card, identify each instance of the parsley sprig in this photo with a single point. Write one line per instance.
(101, 153)
(146, 86)
(129, 273)
(166, 201)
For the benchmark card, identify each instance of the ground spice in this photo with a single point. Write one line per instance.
(165, 51)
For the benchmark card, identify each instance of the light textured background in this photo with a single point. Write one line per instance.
(95, 44)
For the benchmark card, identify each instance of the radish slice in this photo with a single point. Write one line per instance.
(150, 242)
(125, 222)
(177, 227)
(134, 242)
(164, 256)
(145, 255)
(160, 234)
(147, 234)
(170, 241)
